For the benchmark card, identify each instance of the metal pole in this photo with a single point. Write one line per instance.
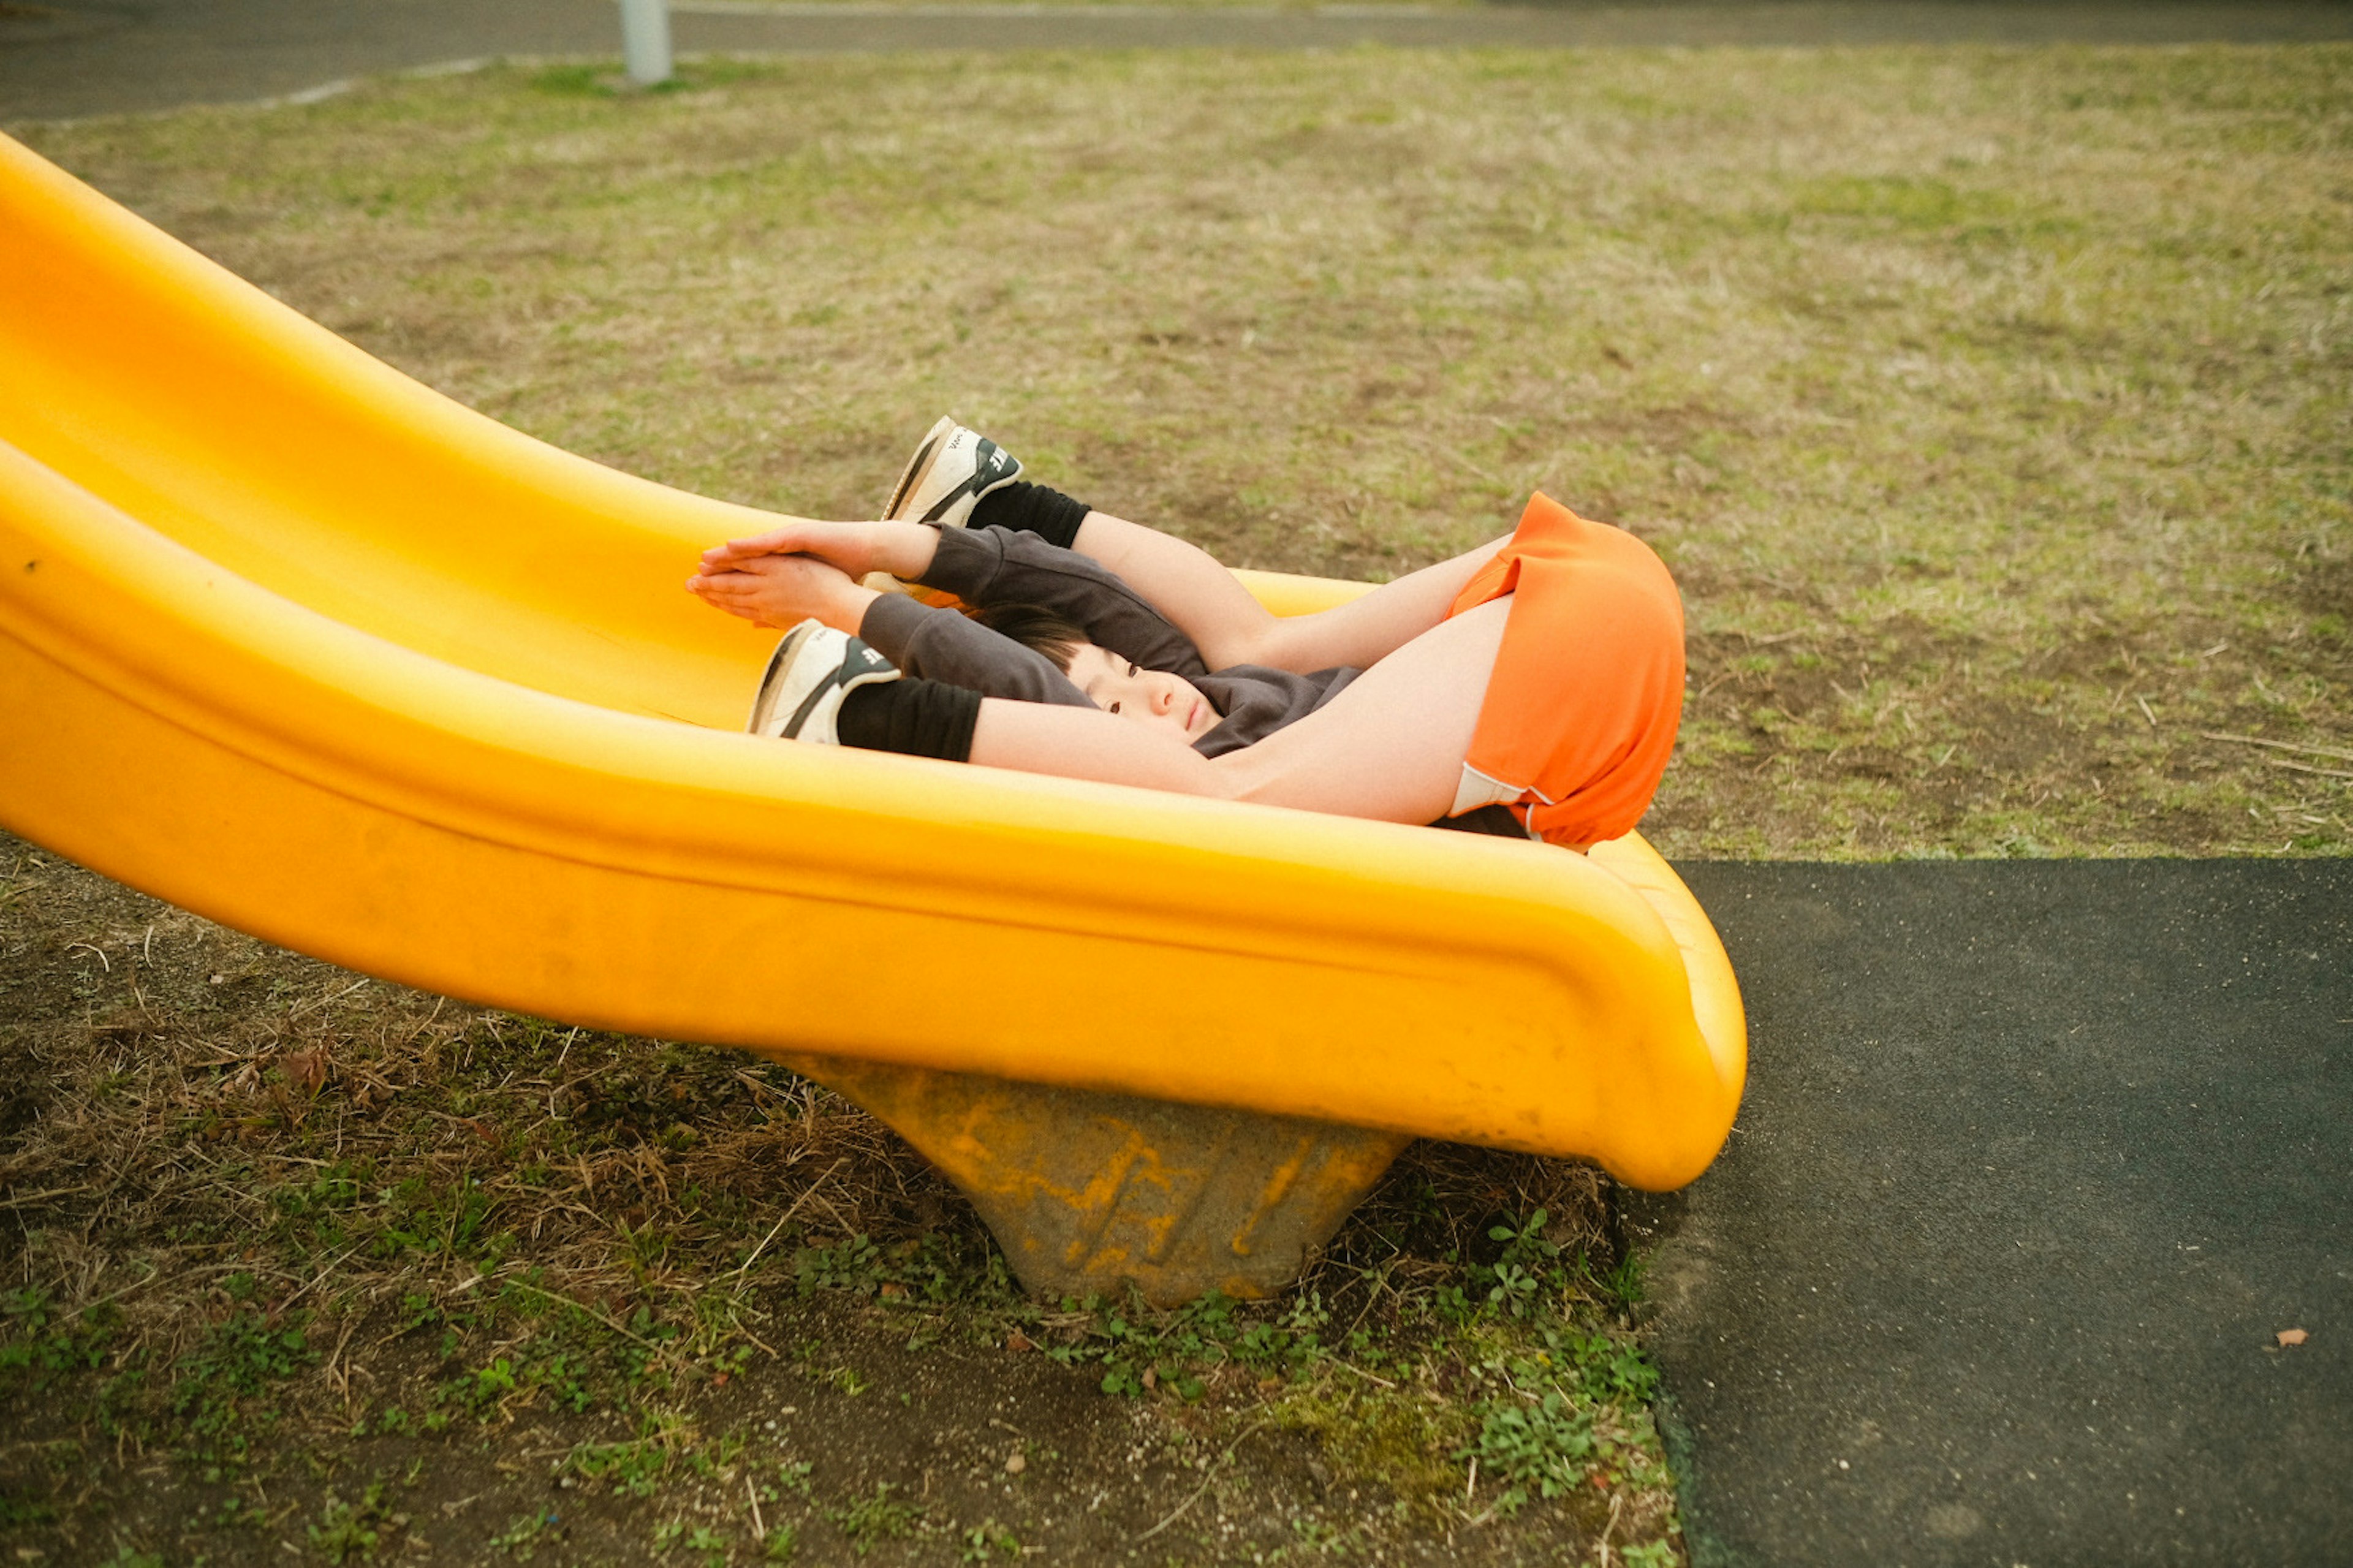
(644, 40)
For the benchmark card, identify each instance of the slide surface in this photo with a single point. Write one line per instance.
(298, 644)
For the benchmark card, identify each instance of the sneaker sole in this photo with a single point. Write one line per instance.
(919, 467)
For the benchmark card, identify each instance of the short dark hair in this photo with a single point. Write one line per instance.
(1039, 629)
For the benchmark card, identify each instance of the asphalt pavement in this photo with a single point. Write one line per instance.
(2043, 1170)
(66, 58)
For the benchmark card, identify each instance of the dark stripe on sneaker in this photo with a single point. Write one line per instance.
(808, 705)
(992, 466)
(946, 503)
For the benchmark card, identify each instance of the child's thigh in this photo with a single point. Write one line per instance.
(1391, 745)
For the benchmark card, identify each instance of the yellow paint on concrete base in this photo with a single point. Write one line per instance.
(1091, 1193)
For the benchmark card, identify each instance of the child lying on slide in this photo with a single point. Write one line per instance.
(1531, 686)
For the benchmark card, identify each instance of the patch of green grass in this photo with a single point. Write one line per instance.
(577, 80)
(220, 1388)
(345, 1530)
(1577, 1404)
(869, 1520)
(928, 1268)
(1139, 1349)
(636, 1467)
(1552, 1391)
(525, 1535)
(42, 1343)
(985, 1542)
(678, 1535)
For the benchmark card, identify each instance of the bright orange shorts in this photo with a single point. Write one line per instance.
(1581, 711)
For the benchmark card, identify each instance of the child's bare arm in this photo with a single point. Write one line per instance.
(1206, 601)
(1390, 746)
(1185, 583)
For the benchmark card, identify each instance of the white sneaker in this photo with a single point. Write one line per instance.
(949, 473)
(808, 674)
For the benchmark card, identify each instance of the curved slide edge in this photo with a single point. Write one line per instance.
(192, 732)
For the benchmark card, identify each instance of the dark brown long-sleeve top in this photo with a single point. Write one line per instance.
(985, 566)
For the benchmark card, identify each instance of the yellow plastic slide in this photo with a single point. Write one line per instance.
(297, 643)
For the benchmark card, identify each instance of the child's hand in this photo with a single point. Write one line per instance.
(901, 549)
(782, 591)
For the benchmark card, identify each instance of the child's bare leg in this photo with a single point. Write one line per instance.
(1389, 747)
(1185, 584)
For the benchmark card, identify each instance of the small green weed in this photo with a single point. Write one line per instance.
(41, 1344)
(1519, 1274)
(346, 1530)
(847, 1379)
(987, 1539)
(1140, 1350)
(881, 1517)
(1320, 1537)
(1544, 1444)
(635, 1467)
(678, 1535)
(236, 1513)
(525, 1534)
(1577, 1402)
(215, 1383)
(935, 1268)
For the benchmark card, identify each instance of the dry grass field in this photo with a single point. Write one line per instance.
(1991, 406)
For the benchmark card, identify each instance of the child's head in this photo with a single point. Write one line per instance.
(1111, 682)
(1041, 631)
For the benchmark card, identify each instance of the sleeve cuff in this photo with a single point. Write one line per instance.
(965, 563)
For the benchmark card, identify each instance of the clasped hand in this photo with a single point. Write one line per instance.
(804, 569)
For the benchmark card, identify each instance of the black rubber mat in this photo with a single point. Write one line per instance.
(2039, 1162)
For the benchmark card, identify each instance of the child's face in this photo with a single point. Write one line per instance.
(1152, 697)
